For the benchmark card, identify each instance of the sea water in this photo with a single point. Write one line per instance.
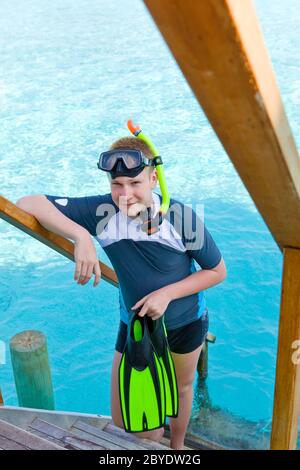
(71, 75)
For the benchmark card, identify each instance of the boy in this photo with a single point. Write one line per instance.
(156, 272)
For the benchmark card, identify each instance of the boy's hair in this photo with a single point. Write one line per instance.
(133, 143)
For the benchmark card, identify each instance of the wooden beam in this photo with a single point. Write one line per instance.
(287, 386)
(220, 50)
(30, 225)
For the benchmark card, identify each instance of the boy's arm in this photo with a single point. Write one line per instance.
(50, 217)
(156, 303)
(196, 282)
(201, 248)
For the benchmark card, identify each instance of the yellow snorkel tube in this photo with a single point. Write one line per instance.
(152, 225)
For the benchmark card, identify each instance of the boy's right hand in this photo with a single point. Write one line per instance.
(86, 260)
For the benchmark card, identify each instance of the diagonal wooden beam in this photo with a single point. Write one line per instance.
(220, 50)
(30, 225)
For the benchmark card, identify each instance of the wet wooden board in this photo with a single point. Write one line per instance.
(110, 441)
(146, 443)
(19, 437)
(64, 438)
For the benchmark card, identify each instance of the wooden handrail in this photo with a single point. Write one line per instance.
(30, 225)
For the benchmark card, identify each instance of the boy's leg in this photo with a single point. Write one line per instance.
(116, 413)
(185, 366)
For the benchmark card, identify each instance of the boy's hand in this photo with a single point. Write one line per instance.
(86, 260)
(154, 304)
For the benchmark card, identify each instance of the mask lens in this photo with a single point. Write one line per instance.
(107, 161)
(132, 160)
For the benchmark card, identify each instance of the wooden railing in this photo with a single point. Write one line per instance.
(30, 225)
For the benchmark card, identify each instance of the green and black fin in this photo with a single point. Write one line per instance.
(158, 334)
(141, 383)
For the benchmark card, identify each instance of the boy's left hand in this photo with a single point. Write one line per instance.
(154, 304)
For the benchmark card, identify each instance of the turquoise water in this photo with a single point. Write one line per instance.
(71, 74)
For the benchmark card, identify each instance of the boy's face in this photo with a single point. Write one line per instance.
(132, 195)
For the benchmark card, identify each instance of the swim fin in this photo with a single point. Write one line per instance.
(158, 334)
(141, 383)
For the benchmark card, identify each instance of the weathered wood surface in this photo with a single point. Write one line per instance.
(103, 438)
(32, 374)
(63, 437)
(74, 424)
(13, 437)
(220, 49)
(287, 386)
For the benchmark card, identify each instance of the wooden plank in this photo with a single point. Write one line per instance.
(30, 225)
(146, 443)
(67, 438)
(49, 438)
(287, 387)
(220, 49)
(112, 442)
(25, 438)
(7, 444)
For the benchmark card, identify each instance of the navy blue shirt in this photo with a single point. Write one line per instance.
(145, 263)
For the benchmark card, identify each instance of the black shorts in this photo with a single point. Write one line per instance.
(182, 340)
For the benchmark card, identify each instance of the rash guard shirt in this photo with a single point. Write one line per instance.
(145, 263)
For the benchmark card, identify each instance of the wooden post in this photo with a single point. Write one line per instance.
(1, 399)
(287, 386)
(202, 366)
(31, 368)
(203, 362)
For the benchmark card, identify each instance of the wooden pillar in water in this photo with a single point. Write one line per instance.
(29, 355)
(287, 387)
(202, 366)
(203, 362)
(1, 399)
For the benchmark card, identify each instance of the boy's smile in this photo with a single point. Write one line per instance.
(132, 195)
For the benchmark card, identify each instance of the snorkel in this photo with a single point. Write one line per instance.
(152, 225)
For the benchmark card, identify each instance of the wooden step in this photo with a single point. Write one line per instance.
(110, 441)
(14, 438)
(62, 437)
(146, 443)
